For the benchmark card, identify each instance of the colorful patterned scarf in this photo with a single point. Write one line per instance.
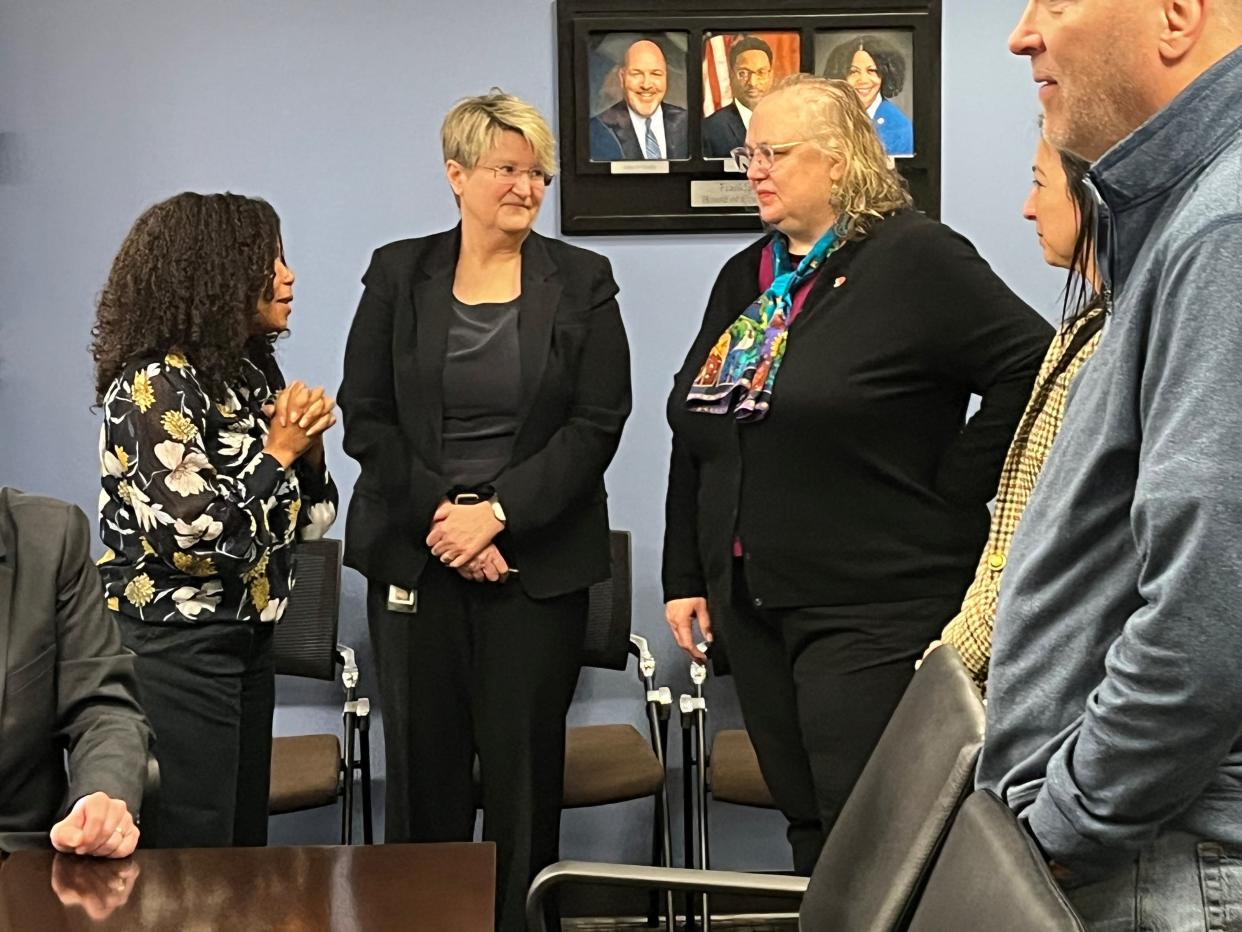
(740, 371)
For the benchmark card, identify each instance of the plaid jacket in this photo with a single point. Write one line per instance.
(970, 631)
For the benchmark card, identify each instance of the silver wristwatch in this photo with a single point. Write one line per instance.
(497, 510)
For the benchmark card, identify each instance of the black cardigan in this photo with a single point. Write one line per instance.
(864, 484)
(575, 398)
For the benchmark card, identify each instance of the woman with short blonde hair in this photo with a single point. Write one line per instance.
(474, 124)
(828, 520)
(486, 383)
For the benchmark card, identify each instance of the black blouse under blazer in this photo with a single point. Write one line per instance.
(864, 484)
(575, 399)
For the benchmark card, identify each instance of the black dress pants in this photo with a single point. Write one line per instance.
(817, 686)
(479, 668)
(209, 691)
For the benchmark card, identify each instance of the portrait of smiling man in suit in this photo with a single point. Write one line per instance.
(642, 124)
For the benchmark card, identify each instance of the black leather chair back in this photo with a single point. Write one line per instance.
(304, 642)
(606, 643)
(991, 876)
(878, 856)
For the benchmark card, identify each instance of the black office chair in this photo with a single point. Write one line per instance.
(991, 876)
(878, 855)
(877, 858)
(310, 771)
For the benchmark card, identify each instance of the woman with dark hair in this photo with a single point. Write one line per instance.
(1064, 215)
(211, 469)
(877, 71)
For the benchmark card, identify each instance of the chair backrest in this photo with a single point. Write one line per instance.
(991, 876)
(304, 642)
(879, 853)
(606, 643)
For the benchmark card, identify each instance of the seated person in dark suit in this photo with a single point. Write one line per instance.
(640, 125)
(750, 77)
(66, 684)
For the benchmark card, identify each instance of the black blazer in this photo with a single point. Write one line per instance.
(723, 132)
(613, 138)
(66, 683)
(864, 483)
(575, 399)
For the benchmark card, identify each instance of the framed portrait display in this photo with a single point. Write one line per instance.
(638, 105)
(654, 99)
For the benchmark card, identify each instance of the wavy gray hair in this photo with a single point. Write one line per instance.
(836, 123)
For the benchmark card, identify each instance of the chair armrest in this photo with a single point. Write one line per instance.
(640, 649)
(664, 878)
(661, 696)
(698, 671)
(148, 818)
(349, 666)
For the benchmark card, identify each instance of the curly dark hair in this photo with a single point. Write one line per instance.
(188, 278)
(888, 61)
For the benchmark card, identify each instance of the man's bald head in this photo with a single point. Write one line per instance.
(644, 77)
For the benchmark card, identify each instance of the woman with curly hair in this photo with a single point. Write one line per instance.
(827, 496)
(211, 469)
(877, 72)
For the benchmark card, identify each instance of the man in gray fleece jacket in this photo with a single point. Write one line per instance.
(1114, 725)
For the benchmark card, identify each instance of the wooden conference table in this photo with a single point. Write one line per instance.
(374, 888)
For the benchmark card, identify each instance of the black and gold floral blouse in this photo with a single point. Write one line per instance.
(197, 518)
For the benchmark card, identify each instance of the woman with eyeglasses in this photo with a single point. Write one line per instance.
(827, 496)
(486, 383)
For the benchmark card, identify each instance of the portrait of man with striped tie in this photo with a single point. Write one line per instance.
(642, 124)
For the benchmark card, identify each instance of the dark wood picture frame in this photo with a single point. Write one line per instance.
(596, 200)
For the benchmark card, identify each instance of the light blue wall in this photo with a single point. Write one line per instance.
(331, 110)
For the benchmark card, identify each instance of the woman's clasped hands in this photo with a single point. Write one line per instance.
(299, 416)
(461, 537)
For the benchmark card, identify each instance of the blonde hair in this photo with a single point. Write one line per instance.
(474, 125)
(837, 124)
